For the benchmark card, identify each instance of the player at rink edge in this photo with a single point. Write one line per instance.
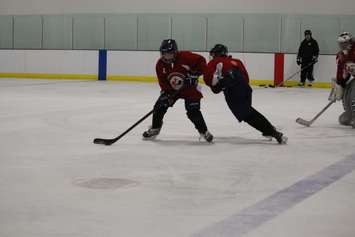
(178, 73)
(227, 74)
(344, 85)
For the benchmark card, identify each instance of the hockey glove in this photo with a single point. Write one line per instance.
(315, 59)
(337, 91)
(350, 68)
(191, 79)
(299, 61)
(166, 99)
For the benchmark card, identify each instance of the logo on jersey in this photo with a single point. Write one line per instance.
(176, 80)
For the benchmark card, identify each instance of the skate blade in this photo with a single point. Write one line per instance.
(152, 138)
(268, 138)
(284, 140)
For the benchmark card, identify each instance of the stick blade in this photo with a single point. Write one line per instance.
(103, 141)
(303, 122)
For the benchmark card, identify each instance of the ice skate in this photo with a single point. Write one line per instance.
(280, 138)
(151, 133)
(207, 136)
(352, 123)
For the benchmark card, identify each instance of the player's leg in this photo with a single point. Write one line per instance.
(160, 108)
(193, 112)
(352, 102)
(239, 102)
(310, 75)
(260, 123)
(303, 75)
(346, 117)
(238, 95)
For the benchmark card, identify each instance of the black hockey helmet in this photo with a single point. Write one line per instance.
(168, 46)
(308, 32)
(219, 50)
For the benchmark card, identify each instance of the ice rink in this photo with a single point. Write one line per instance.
(55, 182)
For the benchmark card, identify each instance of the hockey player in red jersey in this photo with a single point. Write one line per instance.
(344, 88)
(224, 73)
(178, 73)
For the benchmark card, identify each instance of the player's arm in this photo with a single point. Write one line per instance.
(197, 65)
(299, 54)
(217, 88)
(315, 52)
(341, 76)
(167, 96)
(163, 83)
(316, 49)
(338, 83)
(211, 78)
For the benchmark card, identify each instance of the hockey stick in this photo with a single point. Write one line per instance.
(308, 123)
(290, 77)
(299, 71)
(108, 142)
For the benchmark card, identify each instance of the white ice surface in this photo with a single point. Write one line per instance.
(179, 185)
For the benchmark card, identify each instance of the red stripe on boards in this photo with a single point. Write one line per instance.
(279, 68)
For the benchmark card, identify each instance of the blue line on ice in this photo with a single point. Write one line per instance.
(254, 216)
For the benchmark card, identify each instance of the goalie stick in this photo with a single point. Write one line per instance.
(308, 123)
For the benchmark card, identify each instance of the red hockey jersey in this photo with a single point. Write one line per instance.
(228, 63)
(185, 62)
(342, 60)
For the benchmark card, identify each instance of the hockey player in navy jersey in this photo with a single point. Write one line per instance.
(228, 75)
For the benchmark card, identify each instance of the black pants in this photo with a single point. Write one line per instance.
(238, 95)
(193, 112)
(307, 72)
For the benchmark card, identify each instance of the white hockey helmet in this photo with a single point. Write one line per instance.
(345, 40)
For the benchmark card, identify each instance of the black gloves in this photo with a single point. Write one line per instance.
(191, 79)
(315, 59)
(166, 99)
(298, 61)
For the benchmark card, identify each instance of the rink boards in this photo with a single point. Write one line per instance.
(140, 65)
